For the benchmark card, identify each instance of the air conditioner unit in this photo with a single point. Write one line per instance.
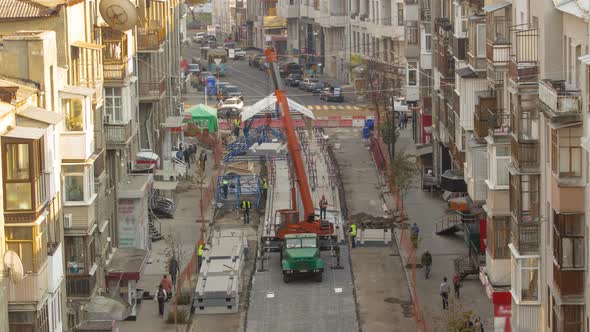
(107, 118)
(67, 220)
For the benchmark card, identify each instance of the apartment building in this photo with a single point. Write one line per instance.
(31, 180)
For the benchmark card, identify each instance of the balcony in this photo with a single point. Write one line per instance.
(31, 288)
(480, 116)
(150, 39)
(55, 266)
(525, 155)
(77, 145)
(526, 237)
(498, 39)
(288, 11)
(459, 48)
(114, 70)
(152, 90)
(83, 217)
(523, 65)
(569, 282)
(498, 122)
(566, 199)
(558, 101)
(80, 286)
(119, 135)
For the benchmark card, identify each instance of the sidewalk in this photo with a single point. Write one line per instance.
(185, 229)
(424, 208)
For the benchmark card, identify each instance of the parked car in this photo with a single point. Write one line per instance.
(234, 102)
(306, 83)
(231, 91)
(194, 68)
(317, 88)
(401, 106)
(239, 54)
(221, 87)
(198, 37)
(290, 68)
(293, 79)
(332, 94)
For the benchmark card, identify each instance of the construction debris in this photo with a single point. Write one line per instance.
(367, 221)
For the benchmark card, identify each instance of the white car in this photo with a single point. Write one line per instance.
(198, 37)
(233, 103)
(239, 54)
(401, 106)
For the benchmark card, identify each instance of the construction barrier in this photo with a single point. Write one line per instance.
(329, 122)
(207, 139)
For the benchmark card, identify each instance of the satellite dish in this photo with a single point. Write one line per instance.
(119, 14)
(14, 265)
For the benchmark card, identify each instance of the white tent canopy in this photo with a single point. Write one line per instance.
(268, 103)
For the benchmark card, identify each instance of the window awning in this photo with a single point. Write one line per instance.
(77, 90)
(25, 133)
(585, 59)
(92, 46)
(127, 264)
(40, 114)
(466, 72)
(496, 6)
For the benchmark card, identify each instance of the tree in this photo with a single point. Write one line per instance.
(403, 173)
(455, 319)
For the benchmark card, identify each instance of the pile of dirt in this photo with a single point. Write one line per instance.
(367, 221)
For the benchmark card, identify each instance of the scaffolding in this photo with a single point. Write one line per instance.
(238, 150)
(239, 187)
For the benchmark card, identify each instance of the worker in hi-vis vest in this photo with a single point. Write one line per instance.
(353, 234)
(246, 205)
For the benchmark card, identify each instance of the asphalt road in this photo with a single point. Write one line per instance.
(255, 83)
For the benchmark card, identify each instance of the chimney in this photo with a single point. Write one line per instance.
(8, 93)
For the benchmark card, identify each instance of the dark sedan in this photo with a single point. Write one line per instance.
(293, 79)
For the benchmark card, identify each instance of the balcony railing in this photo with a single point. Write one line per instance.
(480, 116)
(525, 155)
(569, 282)
(118, 134)
(80, 286)
(558, 99)
(31, 288)
(114, 70)
(526, 237)
(153, 90)
(495, 77)
(498, 39)
(498, 122)
(151, 38)
(524, 57)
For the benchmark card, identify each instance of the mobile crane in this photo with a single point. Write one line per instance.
(290, 223)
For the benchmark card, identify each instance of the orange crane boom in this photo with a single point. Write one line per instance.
(292, 141)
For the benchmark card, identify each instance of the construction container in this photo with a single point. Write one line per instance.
(370, 123)
(366, 132)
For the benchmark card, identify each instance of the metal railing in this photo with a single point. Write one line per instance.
(114, 69)
(498, 121)
(118, 134)
(526, 236)
(150, 38)
(525, 155)
(524, 54)
(153, 89)
(557, 98)
(80, 286)
(480, 122)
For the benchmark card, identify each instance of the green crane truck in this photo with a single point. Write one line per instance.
(300, 256)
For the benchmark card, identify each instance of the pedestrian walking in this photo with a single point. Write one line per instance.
(173, 270)
(225, 187)
(478, 325)
(160, 298)
(167, 285)
(444, 293)
(353, 234)
(323, 207)
(264, 188)
(426, 262)
(402, 118)
(186, 154)
(237, 124)
(246, 205)
(200, 252)
(203, 160)
(193, 153)
(415, 229)
(456, 284)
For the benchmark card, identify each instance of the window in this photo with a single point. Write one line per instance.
(412, 33)
(566, 152)
(78, 182)
(412, 74)
(29, 242)
(428, 42)
(400, 14)
(568, 240)
(499, 236)
(498, 160)
(524, 197)
(525, 278)
(75, 255)
(23, 164)
(74, 114)
(113, 104)
(481, 41)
